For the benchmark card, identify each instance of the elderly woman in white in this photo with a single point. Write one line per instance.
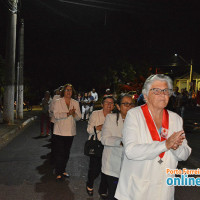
(112, 141)
(96, 121)
(153, 140)
(66, 112)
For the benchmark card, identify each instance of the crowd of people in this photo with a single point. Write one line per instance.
(140, 137)
(179, 101)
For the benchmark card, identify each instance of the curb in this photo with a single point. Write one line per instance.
(9, 136)
(27, 121)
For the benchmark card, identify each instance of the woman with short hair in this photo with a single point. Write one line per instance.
(66, 112)
(153, 140)
(96, 121)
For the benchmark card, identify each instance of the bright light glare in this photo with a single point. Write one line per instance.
(176, 54)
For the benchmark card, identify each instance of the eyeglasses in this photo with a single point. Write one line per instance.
(128, 104)
(107, 102)
(158, 91)
(68, 90)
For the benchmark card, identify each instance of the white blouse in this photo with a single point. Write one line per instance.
(97, 118)
(65, 125)
(111, 139)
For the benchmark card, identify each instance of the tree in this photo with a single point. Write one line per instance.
(124, 72)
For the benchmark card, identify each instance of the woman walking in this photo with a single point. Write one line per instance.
(153, 140)
(112, 141)
(96, 121)
(66, 112)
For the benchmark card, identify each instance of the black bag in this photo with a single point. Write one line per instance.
(93, 147)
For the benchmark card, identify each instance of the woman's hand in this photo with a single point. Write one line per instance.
(71, 112)
(179, 142)
(175, 140)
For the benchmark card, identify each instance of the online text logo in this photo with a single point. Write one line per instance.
(184, 179)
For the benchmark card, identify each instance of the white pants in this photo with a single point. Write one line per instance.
(85, 111)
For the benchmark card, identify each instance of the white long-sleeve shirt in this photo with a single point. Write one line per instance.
(65, 125)
(95, 95)
(141, 176)
(97, 118)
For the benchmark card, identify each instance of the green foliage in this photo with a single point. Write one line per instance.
(124, 72)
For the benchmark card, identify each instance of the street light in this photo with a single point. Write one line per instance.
(189, 64)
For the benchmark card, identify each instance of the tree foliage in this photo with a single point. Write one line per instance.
(124, 72)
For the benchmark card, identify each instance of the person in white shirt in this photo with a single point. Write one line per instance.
(96, 120)
(112, 141)
(46, 101)
(51, 107)
(95, 96)
(52, 119)
(66, 112)
(91, 98)
(153, 140)
(85, 101)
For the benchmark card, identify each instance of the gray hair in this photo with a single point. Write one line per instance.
(156, 77)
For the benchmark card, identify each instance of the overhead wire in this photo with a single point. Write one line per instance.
(56, 11)
(95, 6)
(12, 7)
(133, 7)
(108, 3)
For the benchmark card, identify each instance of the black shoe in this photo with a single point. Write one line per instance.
(103, 196)
(65, 175)
(90, 192)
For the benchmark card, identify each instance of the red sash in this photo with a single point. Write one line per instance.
(152, 128)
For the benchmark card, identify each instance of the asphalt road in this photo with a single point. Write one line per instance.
(26, 172)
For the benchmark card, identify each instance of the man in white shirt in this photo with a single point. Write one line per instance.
(95, 96)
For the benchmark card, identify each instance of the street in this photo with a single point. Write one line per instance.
(26, 172)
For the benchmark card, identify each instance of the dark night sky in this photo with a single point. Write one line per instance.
(71, 43)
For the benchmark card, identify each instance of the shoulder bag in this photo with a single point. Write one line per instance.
(93, 147)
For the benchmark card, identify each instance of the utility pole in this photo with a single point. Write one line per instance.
(20, 86)
(8, 106)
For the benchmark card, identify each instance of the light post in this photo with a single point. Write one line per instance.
(188, 64)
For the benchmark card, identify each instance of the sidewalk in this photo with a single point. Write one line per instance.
(9, 132)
